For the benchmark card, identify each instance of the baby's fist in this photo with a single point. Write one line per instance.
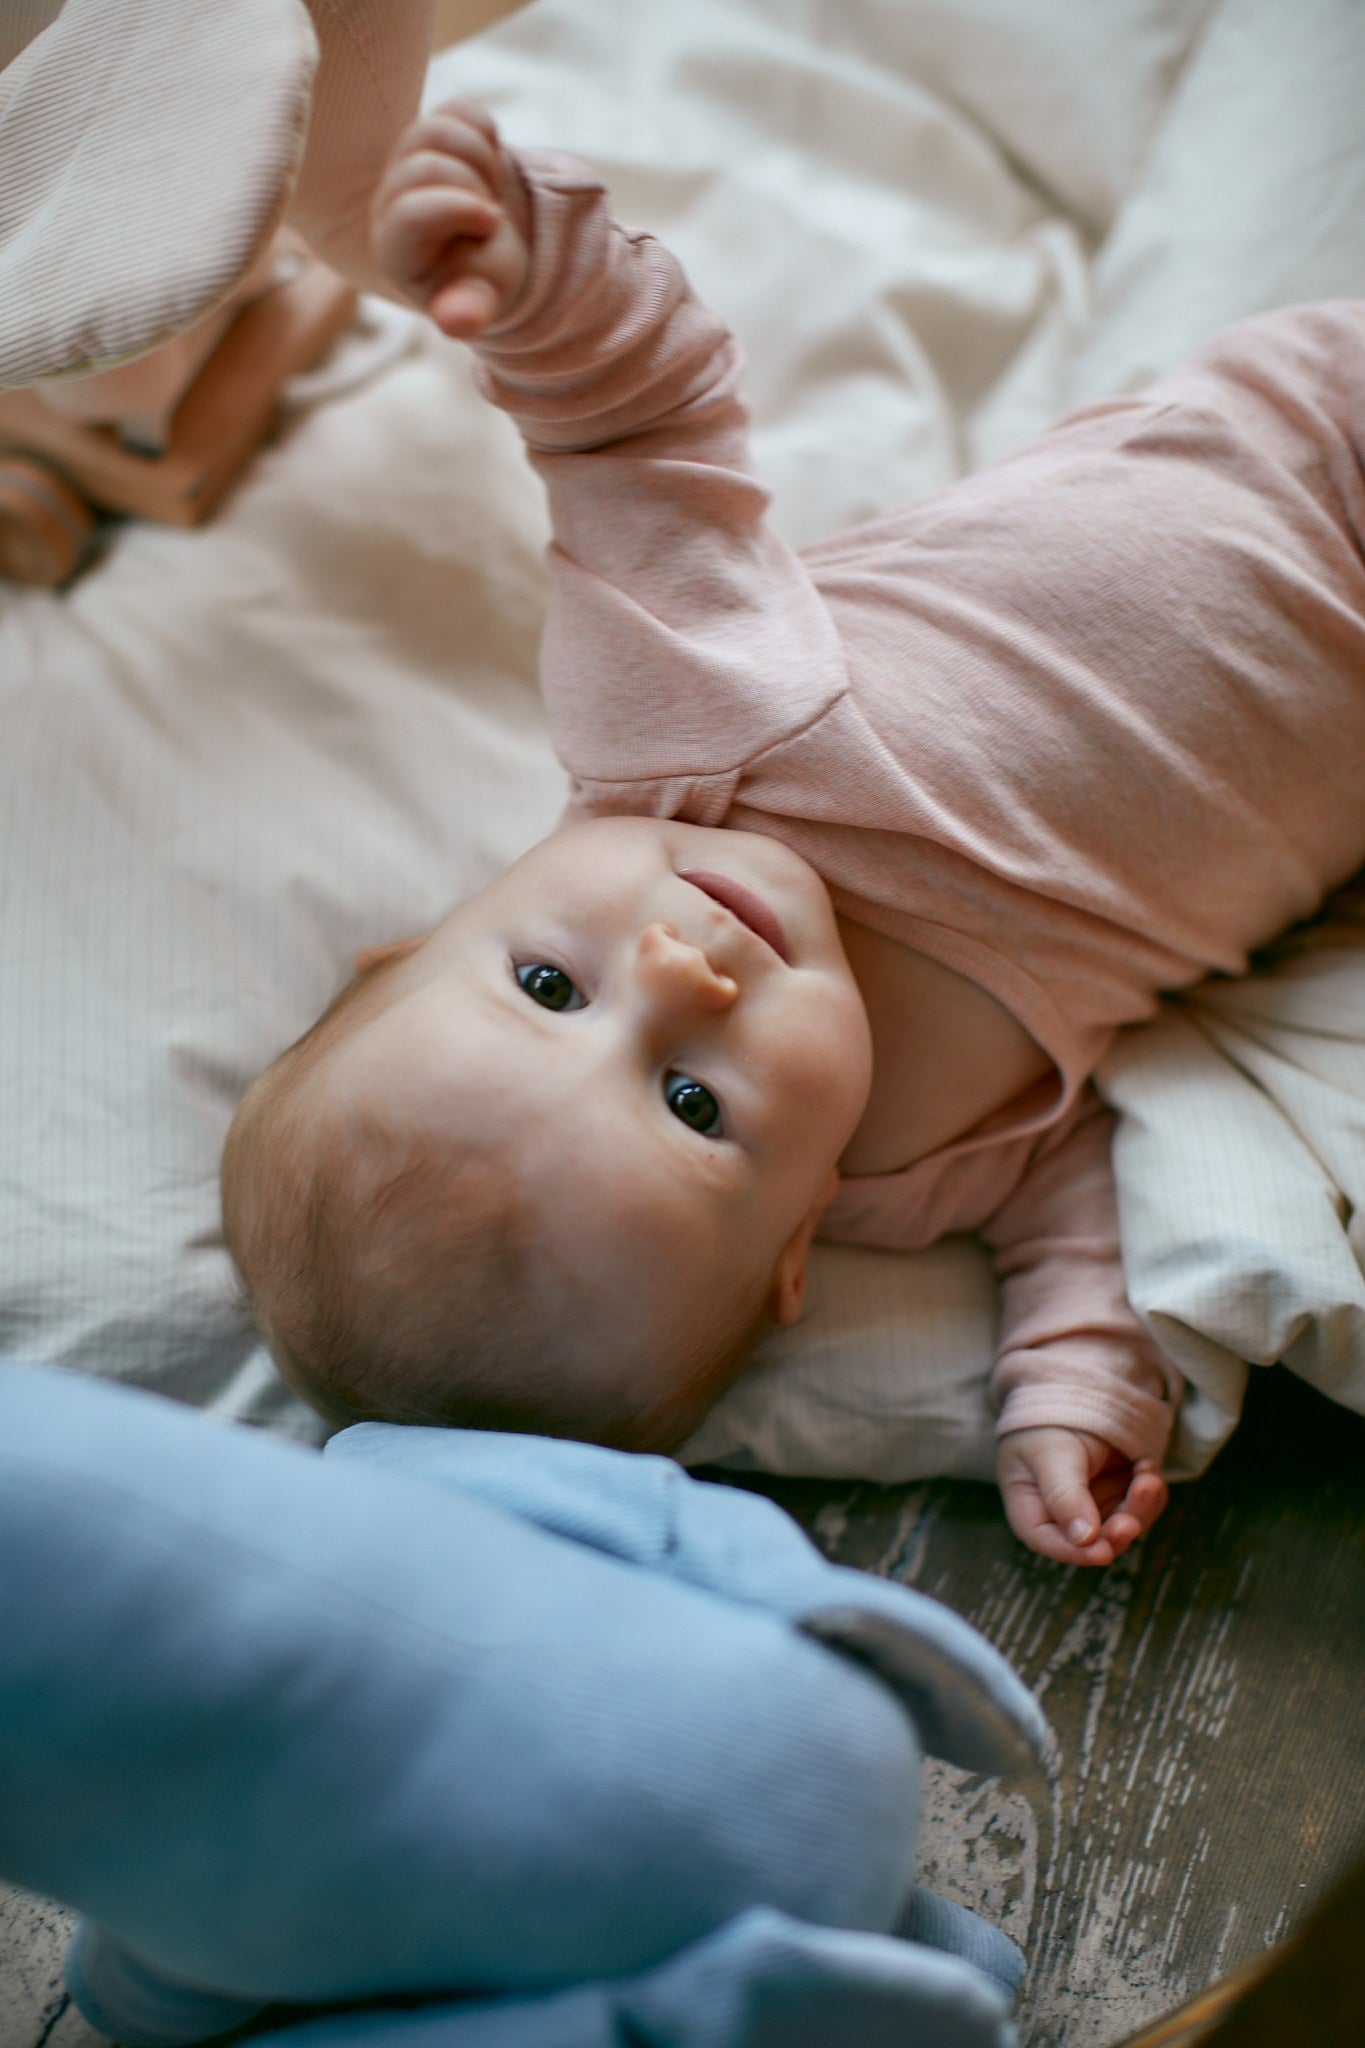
(450, 220)
(1072, 1497)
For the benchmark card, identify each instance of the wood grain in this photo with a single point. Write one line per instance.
(34, 2008)
(1207, 1696)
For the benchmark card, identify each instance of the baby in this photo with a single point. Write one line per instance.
(871, 850)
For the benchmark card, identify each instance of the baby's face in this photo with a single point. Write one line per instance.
(656, 1025)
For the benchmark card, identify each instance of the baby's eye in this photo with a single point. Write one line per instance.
(549, 986)
(693, 1105)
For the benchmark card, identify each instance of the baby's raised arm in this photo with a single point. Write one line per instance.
(684, 638)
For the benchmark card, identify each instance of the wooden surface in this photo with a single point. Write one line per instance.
(1207, 1695)
(34, 2010)
(1308, 1985)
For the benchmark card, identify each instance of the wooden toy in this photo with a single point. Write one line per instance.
(55, 470)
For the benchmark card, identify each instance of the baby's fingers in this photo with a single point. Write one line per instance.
(1058, 1462)
(460, 128)
(418, 230)
(417, 169)
(1144, 1500)
(465, 306)
(1035, 1527)
(450, 137)
(1148, 1494)
(1033, 1515)
(1047, 1540)
(455, 253)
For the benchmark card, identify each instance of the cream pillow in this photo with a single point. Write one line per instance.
(132, 199)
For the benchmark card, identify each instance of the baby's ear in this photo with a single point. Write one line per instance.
(370, 957)
(788, 1290)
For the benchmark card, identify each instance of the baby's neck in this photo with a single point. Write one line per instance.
(945, 1054)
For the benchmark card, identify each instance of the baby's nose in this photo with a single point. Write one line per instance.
(674, 971)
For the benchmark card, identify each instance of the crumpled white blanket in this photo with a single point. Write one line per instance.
(230, 758)
(1241, 1169)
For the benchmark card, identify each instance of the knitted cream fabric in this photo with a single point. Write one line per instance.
(146, 153)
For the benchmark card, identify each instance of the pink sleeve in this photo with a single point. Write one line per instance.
(684, 636)
(1072, 1350)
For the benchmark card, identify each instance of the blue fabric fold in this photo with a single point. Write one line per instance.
(968, 1706)
(435, 1713)
(762, 1982)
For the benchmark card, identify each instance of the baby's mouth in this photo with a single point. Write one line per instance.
(742, 903)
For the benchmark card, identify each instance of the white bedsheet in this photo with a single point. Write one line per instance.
(1241, 1167)
(230, 758)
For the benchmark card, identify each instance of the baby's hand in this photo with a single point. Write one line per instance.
(1071, 1497)
(450, 221)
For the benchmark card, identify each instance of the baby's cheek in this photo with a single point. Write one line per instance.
(829, 1061)
(846, 1039)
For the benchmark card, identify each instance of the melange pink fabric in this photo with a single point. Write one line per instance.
(1085, 727)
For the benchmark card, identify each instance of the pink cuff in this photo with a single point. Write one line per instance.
(1137, 1424)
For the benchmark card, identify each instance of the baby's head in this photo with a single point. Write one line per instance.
(554, 1166)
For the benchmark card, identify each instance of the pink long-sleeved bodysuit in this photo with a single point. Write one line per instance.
(1085, 727)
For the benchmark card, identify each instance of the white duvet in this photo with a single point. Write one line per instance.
(230, 758)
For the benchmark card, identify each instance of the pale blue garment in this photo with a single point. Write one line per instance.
(444, 1710)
